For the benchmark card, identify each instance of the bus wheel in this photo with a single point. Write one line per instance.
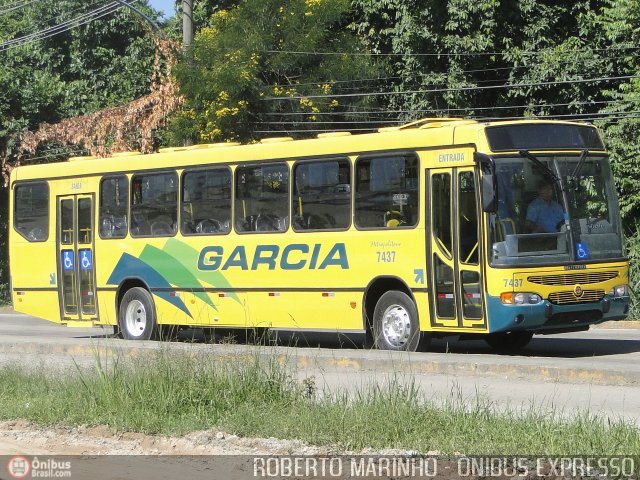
(508, 342)
(395, 323)
(137, 316)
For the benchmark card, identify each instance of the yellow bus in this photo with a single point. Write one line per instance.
(494, 231)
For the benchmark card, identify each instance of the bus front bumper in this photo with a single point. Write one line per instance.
(548, 316)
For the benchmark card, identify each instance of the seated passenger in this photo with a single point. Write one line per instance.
(544, 214)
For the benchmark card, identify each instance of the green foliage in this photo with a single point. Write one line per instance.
(471, 44)
(102, 64)
(243, 59)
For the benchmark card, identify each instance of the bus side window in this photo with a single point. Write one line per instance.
(154, 204)
(262, 198)
(206, 201)
(114, 200)
(441, 211)
(31, 209)
(322, 195)
(386, 192)
(468, 218)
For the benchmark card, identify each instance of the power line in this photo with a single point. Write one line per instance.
(372, 130)
(397, 121)
(459, 89)
(58, 16)
(56, 29)
(630, 114)
(63, 27)
(460, 54)
(339, 122)
(16, 5)
(449, 73)
(444, 110)
(597, 115)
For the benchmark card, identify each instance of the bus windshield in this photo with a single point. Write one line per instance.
(542, 218)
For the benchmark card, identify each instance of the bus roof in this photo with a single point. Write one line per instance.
(421, 134)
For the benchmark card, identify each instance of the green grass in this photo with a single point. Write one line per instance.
(171, 393)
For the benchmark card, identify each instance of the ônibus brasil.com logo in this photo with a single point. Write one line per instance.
(19, 467)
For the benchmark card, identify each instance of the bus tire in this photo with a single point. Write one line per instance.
(137, 315)
(395, 323)
(509, 341)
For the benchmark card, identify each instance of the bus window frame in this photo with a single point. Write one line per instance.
(351, 196)
(26, 183)
(154, 172)
(128, 181)
(390, 153)
(487, 240)
(261, 164)
(204, 168)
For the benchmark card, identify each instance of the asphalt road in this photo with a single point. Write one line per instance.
(596, 371)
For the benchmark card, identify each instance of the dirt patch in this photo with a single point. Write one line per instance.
(19, 437)
(103, 440)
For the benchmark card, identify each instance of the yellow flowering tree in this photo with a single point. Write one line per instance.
(257, 68)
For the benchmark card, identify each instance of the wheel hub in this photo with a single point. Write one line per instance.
(136, 318)
(396, 325)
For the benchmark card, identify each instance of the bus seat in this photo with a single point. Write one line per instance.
(161, 228)
(506, 226)
(209, 225)
(270, 223)
(393, 218)
(301, 222)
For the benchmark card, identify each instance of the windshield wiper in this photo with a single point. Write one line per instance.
(583, 158)
(546, 170)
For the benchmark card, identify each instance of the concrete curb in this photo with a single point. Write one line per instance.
(614, 325)
(372, 362)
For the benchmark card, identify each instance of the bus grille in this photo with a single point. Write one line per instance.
(582, 278)
(564, 298)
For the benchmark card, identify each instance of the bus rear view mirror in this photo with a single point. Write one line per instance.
(488, 190)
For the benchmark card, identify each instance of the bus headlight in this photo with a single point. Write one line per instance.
(520, 298)
(619, 291)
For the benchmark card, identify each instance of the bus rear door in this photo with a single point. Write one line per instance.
(455, 254)
(75, 247)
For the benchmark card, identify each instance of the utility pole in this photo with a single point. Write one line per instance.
(187, 38)
(187, 23)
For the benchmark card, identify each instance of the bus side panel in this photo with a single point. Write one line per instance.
(34, 275)
(297, 281)
(318, 281)
(183, 295)
(424, 312)
(106, 307)
(317, 310)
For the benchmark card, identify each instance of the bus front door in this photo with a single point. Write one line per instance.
(455, 253)
(75, 244)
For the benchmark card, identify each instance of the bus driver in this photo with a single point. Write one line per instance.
(544, 214)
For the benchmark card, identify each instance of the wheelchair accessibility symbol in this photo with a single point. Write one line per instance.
(582, 251)
(85, 259)
(67, 260)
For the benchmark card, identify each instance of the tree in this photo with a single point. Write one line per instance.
(101, 64)
(242, 78)
(619, 24)
(490, 58)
